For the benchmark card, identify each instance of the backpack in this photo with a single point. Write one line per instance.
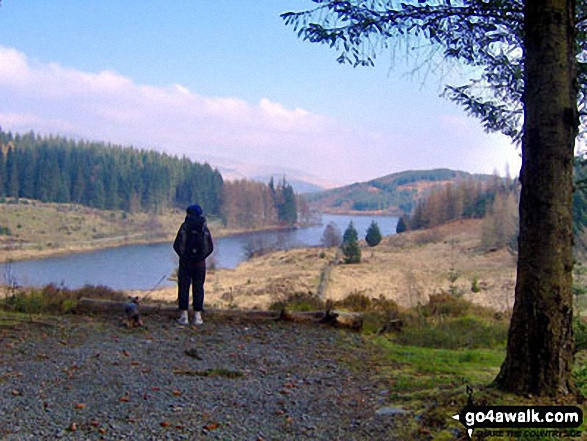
(197, 243)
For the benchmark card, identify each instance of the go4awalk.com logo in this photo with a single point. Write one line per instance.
(522, 420)
(516, 421)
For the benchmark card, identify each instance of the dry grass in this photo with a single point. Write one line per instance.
(40, 229)
(260, 281)
(43, 229)
(406, 268)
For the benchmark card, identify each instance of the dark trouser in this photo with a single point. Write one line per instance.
(195, 276)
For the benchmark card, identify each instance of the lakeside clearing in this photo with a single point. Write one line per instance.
(406, 268)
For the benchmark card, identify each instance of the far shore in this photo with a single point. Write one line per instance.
(32, 251)
(53, 229)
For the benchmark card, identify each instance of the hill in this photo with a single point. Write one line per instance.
(301, 181)
(395, 194)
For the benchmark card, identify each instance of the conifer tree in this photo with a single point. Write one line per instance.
(401, 225)
(59, 170)
(2, 171)
(373, 237)
(12, 184)
(350, 245)
(285, 202)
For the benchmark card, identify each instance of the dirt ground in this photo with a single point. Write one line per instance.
(82, 378)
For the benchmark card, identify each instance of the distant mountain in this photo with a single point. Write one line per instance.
(300, 185)
(394, 194)
(301, 181)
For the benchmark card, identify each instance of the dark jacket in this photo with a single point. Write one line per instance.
(192, 221)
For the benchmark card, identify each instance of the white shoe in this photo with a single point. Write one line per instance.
(198, 319)
(183, 318)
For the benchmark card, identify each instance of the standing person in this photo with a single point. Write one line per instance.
(193, 244)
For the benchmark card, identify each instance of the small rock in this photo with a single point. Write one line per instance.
(390, 411)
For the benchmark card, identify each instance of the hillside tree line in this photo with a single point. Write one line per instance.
(251, 204)
(496, 201)
(463, 199)
(54, 169)
(112, 177)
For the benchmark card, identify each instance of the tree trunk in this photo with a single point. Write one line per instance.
(540, 346)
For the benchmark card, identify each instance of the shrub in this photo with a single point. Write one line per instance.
(456, 333)
(331, 237)
(54, 299)
(301, 301)
(100, 292)
(380, 315)
(446, 305)
(401, 225)
(580, 331)
(355, 302)
(475, 285)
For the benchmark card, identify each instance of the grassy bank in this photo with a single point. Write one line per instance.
(33, 229)
(431, 358)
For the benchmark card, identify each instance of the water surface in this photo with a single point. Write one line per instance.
(147, 266)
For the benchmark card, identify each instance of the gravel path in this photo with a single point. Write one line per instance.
(90, 378)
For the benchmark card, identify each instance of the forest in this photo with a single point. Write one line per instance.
(113, 177)
(495, 200)
(395, 193)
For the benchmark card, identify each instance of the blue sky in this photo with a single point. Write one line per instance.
(226, 81)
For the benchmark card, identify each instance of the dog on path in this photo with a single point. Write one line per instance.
(132, 313)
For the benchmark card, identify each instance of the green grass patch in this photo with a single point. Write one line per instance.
(422, 371)
(456, 333)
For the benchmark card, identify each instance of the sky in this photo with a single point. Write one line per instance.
(225, 81)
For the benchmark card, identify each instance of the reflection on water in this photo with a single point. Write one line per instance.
(143, 266)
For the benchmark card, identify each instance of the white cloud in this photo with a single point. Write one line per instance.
(111, 107)
(107, 106)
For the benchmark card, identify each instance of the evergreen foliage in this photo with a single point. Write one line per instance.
(54, 169)
(350, 245)
(285, 202)
(373, 237)
(401, 225)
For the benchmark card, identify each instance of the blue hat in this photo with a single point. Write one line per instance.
(194, 209)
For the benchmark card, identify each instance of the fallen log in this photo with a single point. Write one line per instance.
(342, 319)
